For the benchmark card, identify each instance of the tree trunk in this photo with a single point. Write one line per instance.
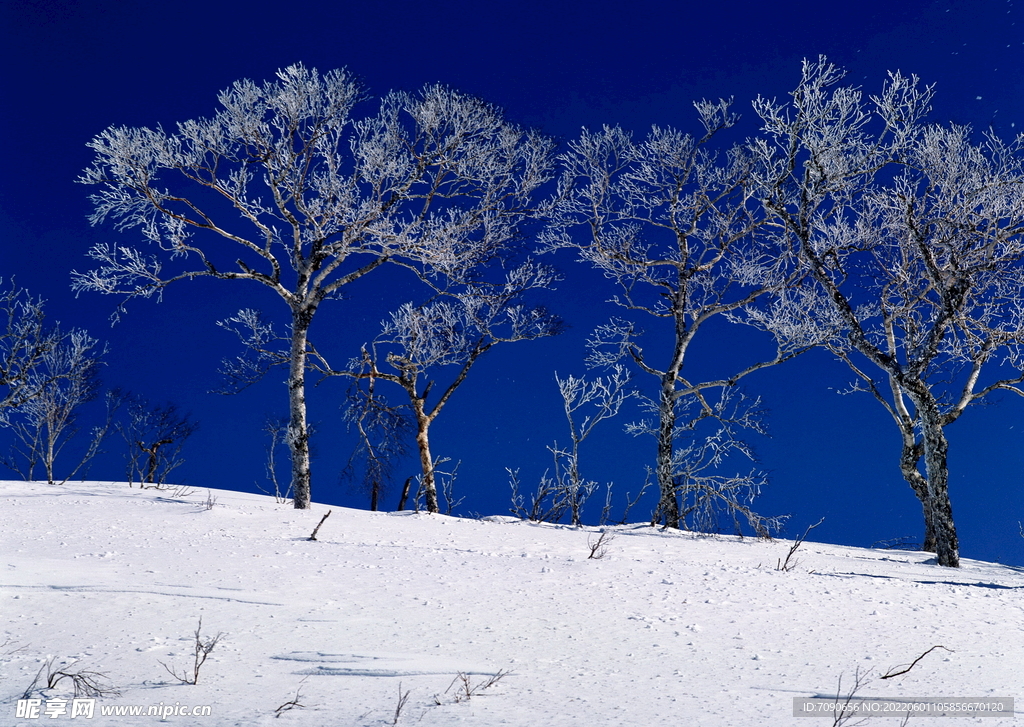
(939, 509)
(152, 461)
(909, 460)
(928, 545)
(426, 461)
(405, 494)
(49, 456)
(575, 483)
(668, 506)
(298, 430)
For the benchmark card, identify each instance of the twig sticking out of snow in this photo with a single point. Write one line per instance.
(890, 674)
(317, 528)
(203, 647)
(783, 565)
(599, 547)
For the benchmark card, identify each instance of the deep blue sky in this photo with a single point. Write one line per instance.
(71, 69)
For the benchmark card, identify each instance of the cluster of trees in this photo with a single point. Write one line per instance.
(47, 375)
(845, 222)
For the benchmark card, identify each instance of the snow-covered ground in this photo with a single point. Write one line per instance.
(668, 628)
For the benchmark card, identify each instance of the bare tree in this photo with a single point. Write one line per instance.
(285, 188)
(915, 235)
(382, 431)
(704, 495)
(606, 396)
(675, 226)
(155, 436)
(277, 429)
(452, 333)
(566, 490)
(65, 377)
(23, 343)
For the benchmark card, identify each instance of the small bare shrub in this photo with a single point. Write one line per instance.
(543, 506)
(403, 697)
(447, 480)
(84, 682)
(203, 647)
(9, 648)
(842, 713)
(466, 689)
(630, 502)
(599, 547)
(293, 703)
(784, 565)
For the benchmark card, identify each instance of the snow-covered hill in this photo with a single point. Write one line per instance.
(667, 628)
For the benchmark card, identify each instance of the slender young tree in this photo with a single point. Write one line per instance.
(604, 397)
(674, 225)
(915, 235)
(565, 490)
(382, 432)
(455, 333)
(284, 187)
(276, 429)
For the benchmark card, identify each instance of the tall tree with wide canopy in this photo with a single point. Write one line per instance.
(914, 234)
(673, 222)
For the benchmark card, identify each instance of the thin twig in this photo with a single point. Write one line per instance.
(784, 565)
(599, 547)
(402, 699)
(317, 528)
(890, 674)
(292, 704)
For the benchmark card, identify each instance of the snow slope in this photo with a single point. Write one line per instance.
(667, 628)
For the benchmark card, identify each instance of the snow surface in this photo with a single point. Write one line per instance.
(668, 628)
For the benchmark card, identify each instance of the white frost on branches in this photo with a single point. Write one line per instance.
(284, 186)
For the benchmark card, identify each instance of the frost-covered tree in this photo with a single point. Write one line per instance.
(66, 378)
(604, 398)
(915, 236)
(452, 334)
(563, 489)
(286, 188)
(673, 223)
(706, 496)
(24, 341)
